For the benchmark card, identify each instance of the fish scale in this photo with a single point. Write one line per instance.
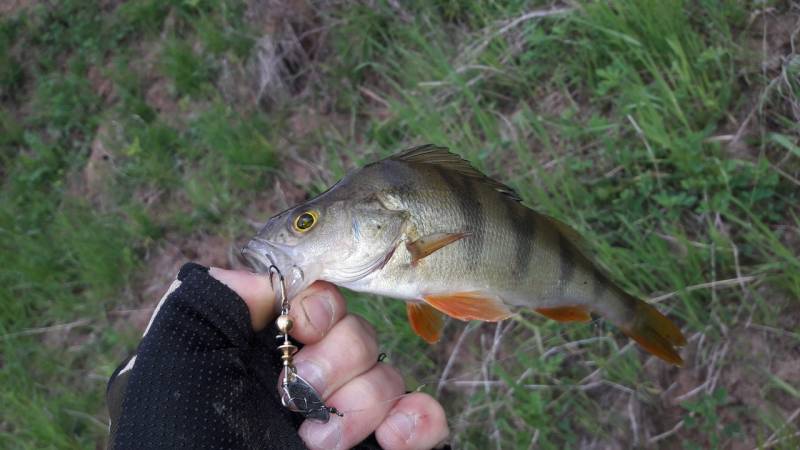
(426, 227)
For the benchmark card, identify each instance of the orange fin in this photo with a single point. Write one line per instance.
(426, 245)
(566, 313)
(656, 333)
(469, 306)
(425, 321)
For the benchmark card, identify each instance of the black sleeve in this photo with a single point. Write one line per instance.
(201, 378)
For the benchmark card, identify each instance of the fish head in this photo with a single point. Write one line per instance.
(298, 242)
(339, 239)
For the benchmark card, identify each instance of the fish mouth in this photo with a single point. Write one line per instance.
(264, 256)
(259, 255)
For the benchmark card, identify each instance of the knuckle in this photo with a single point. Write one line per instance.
(393, 376)
(380, 383)
(367, 328)
(361, 345)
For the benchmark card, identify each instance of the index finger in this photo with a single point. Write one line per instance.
(315, 310)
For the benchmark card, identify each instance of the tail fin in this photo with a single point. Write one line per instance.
(656, 333)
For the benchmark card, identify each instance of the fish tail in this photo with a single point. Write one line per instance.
(654, 331)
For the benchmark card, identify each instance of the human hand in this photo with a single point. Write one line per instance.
(340, 359)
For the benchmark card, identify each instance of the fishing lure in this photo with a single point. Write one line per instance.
(297, 394)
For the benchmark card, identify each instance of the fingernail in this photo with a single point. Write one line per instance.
(319, 308)
(402, 424)
(313, 373)
(322, 435)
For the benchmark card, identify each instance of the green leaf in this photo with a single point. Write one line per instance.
(785, 142)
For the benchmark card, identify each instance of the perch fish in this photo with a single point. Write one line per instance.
(425, 226)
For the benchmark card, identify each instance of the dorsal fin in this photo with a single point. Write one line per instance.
(442, 157)
(570, 234)
(578, 242)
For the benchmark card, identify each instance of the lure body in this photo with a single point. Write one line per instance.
(426, 227)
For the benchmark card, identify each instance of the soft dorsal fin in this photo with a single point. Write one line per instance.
(442, 157)
(572, 236)
(579, 244)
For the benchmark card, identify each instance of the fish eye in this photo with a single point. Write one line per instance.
(305, 221)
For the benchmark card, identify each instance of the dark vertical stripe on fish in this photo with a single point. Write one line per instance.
(524, 227)
(600, 284)
(567, 266)
(471, 210)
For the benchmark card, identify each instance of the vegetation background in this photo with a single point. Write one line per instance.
(136, 135)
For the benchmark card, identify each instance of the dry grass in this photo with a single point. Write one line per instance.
(666, 133)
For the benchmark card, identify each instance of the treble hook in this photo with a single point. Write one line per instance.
(297, 394)
(273, 269)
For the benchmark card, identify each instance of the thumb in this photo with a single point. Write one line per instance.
(254, 289)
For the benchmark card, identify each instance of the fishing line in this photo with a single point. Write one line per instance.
(469, 375)
(299, 396)
(544, 342)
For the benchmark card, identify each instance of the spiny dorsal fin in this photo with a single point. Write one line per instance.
(442, 157)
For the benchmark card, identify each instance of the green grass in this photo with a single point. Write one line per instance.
(654, 127)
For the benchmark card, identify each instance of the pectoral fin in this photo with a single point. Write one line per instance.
(425, 321)
(469, 306)
(566, 313)
(426, 245)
